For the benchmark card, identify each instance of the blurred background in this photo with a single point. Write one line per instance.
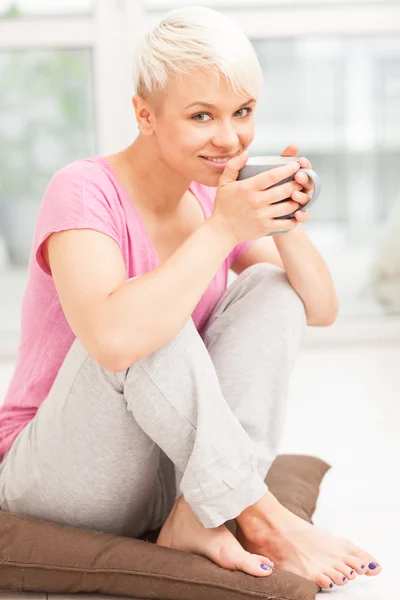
(331, 86)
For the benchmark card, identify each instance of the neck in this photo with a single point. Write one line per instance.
(161, 188)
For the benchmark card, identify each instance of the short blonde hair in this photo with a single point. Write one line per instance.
(190, 38)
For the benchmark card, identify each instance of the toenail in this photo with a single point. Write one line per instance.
(331, 585)
(351, 572)
(265, 567)
(363, 566)
(344, 578)
(372, 565)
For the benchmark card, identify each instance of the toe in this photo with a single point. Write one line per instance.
(235, 558)
(346, 570)
(373, 568)
(255, 564)
(324, 581)
(337, 577)
(265, 560)
(356, 564)
(371, 564)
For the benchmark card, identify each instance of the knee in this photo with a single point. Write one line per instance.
(275, 286)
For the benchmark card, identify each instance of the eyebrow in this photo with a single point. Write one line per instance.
(213, 106)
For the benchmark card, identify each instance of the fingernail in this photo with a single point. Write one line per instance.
(372, 565)
(331, 585)
(265, 567)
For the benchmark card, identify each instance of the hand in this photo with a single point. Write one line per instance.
(251, 208)
(302, 179)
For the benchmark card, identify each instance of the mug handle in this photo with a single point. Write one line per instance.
(317, 189)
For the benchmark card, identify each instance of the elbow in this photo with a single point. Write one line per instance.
(324, 319)
(112, 358)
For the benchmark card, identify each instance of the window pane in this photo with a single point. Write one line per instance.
(27, 8)
(338, 99)
(46, 121)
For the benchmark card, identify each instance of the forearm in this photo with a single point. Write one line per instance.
(309, 276)
(147, 312)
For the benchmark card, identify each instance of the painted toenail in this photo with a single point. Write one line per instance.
(344, 578)
(363, 566)
(351, 572)
(372, 565)
(331, 585)
(265, 567)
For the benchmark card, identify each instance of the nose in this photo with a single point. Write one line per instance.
(225, 136)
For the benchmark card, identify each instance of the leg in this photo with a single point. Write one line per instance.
(260, 322)
(84, 461)
(253, 337)
(90, 457)
(86, 425)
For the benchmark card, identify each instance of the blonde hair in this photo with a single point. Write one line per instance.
(190, 38)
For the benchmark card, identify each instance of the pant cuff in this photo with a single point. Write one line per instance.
(229, 505)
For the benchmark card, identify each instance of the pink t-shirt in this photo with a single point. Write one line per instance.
(83, 195)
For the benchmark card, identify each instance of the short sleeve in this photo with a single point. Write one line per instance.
(240, 248)
(77, 197)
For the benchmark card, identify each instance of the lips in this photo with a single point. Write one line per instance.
(221, 156)
(227, 157)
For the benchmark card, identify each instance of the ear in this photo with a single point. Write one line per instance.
(144, 115)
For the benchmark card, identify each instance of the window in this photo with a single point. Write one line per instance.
(46, 106)
(339, 99)
(332, 85)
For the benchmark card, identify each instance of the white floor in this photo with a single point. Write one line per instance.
(344, 407)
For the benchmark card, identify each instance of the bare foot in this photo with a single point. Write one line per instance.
(183, 531)
(269, 528)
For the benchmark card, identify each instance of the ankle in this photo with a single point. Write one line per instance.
(267, 509)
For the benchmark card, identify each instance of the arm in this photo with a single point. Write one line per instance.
(120, 321)
(305, 269)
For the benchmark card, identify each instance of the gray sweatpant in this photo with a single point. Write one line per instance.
(201, 416)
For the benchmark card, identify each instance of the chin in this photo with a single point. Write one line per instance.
(210, 180)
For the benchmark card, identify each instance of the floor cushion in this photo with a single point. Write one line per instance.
(41, 556)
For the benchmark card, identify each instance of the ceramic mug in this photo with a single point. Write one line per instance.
(258, 164)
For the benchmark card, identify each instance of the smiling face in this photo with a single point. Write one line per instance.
(188, 133)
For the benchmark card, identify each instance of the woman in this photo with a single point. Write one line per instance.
(146, 394)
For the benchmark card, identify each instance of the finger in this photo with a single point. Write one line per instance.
(304, 179)
(283, 225)
(301, 198)
(266, 179)
(305, 163)
(302, 216)
(282, 209)
(278, 192)
(232, 168)
(290, 150)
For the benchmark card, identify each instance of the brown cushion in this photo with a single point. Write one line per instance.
(40, 556)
